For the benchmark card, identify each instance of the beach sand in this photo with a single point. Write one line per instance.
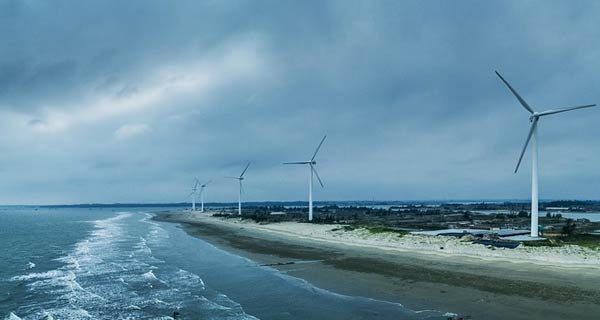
(474, 281)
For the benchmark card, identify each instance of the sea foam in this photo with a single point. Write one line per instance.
(113, 273)
(12, 316)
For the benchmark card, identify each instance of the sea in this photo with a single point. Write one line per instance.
(111, 263)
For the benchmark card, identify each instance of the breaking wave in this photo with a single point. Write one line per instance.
(112, 274)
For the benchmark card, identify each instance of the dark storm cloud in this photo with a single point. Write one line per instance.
(128, 101)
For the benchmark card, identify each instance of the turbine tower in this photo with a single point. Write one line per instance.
(313, 171)
(193, 194)
(202, 194)
(532, 136)
(240, 178)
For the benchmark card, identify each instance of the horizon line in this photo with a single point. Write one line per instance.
(176, 204)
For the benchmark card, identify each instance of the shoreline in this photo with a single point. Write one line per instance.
(471, 287)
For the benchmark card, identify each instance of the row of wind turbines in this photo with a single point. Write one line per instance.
(312, 173)
(531, 137)
(200, 192)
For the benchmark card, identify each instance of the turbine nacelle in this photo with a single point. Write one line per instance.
(204, 185)
(534, 117)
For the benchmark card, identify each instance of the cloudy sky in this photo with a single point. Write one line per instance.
(128, 101)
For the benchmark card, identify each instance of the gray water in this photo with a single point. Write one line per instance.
(105, 264)
(592, 216)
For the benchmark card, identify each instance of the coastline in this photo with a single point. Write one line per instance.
(485, 287)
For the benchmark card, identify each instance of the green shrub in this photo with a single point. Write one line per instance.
(379, 229)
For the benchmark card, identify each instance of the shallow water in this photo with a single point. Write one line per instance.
(592, 216)
(104, 264)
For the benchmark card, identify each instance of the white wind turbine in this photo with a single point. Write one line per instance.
(534, 118)
(240, 178)
(202, 186)
(193, 194)
(311, 164)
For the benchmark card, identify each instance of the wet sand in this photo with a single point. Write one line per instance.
(473, 288)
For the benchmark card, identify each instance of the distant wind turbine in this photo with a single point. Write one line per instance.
(193, 194)
(532, 136)
(202, 186)
(240, 178)
(313, 171)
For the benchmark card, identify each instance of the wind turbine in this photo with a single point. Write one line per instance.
(202, 186)
(193, 194)
(311, 164)
(240, 178)
(532, 136)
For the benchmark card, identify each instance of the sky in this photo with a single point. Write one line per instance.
(128, 101)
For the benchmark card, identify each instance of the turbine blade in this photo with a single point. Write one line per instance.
(242, 188)
(299, 162)
(312, 168)
(545, 113)
(521, 100)
(533, 125)
(241, 175)
(319, 147)
(207, 182)
(236, 178)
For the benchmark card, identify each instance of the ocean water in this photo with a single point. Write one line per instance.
(111, 264)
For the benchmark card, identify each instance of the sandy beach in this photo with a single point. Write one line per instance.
(420, 272)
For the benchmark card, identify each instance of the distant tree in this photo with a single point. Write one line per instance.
(523, 214)
(569, 228)
(548, 215)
